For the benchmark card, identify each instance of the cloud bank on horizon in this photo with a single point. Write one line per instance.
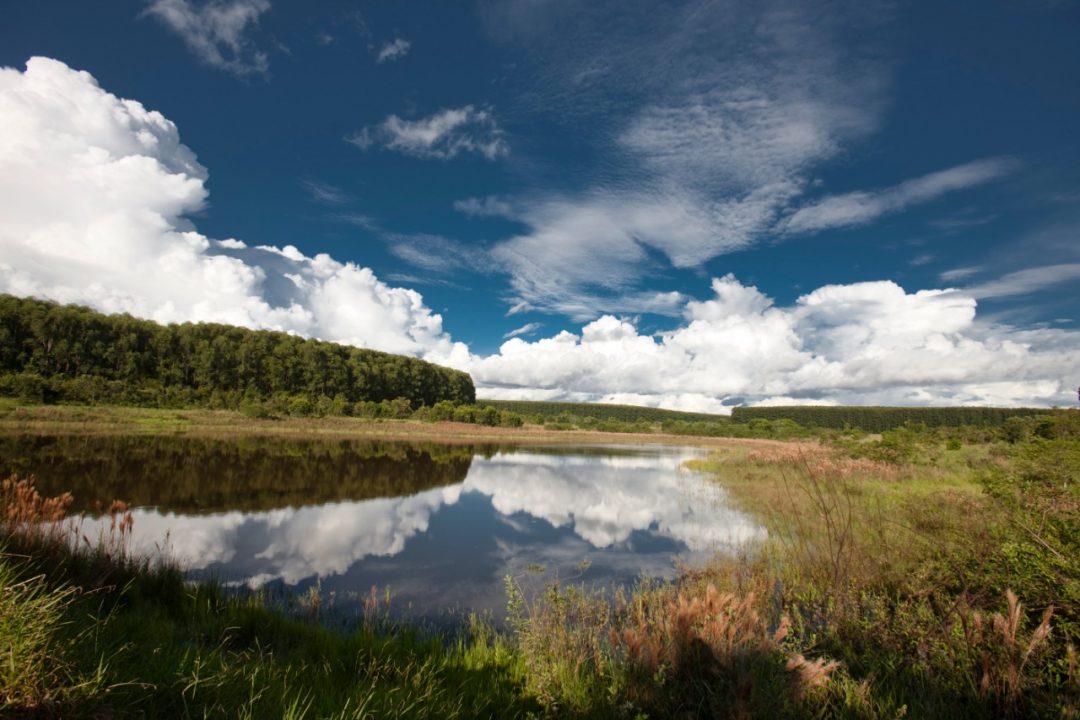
(97, 195)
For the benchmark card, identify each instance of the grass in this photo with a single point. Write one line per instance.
(17, 417)
(93, 632)
(904, 577)
(913, 588)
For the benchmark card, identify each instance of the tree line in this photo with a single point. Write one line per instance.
(540, 411)
(69, 353)
(877, 419)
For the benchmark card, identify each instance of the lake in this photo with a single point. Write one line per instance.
(440, 526)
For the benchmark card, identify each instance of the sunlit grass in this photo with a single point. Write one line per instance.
(939, 582)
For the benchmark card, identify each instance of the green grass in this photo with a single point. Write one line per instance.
(905, 576)
(151, 646)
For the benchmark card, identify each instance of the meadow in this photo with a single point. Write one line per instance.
(919, 572)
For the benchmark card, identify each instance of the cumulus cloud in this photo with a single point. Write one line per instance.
(861, 208)
(869, 342)
(217, 31)
(95, 192)
(393, 51)
(444, 135)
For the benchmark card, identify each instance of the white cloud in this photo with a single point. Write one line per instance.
(489, 206)
(96, 194)
(602, 501)
(859, 208)
(443, 135)
(94, 197)
(393, 51)
(863, 343)
(959, 273)
(217, 31)
(713, 118)
(437, 254)
(325, 193)
(526, 329)
(584, 255)
(1029, 280)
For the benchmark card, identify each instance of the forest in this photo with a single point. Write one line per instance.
(68, 353)
(876, 419)
(569, 412)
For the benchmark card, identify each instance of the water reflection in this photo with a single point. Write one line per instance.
(440, 526)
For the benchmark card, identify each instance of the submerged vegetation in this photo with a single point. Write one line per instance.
(923, 572)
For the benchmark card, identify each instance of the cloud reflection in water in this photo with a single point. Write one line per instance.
(608, 506)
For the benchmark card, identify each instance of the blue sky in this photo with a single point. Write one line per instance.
(536, 167)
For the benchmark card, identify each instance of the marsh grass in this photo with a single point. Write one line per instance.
(919, 581)
(902, 566)
(88, 630)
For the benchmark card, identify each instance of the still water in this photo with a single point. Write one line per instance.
(438, 525)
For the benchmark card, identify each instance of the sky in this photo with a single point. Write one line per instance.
(692, 205)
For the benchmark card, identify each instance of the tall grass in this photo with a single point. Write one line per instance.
(897, 582)
(88, 629)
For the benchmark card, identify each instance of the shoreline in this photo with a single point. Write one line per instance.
(126, 420)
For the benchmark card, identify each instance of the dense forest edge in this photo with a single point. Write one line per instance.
(69, 353)
(547, 409)
(876, 419)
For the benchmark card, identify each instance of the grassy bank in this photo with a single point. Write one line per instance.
(96, 633)
(19, 417)
(906, 575)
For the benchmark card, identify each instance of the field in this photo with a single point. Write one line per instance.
(916, 573)
(19, 417)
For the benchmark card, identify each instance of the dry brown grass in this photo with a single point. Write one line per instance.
(998, 649)
(823, 462)
(29, 520)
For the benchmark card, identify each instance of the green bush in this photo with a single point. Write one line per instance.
(510, 419)
(301, 405)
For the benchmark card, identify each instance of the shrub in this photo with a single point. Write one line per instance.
(301, 405)
(510, 419)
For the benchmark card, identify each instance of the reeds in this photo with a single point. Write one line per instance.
(823, 462)
(998, 650)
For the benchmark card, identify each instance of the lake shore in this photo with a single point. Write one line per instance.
(120, 420)
(922, 572)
